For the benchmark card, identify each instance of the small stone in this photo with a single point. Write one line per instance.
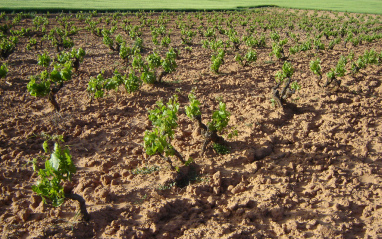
(216, 179)
(239, 188)
(216, 190)
(24, 214)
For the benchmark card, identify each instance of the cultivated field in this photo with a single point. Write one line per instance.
(300, 156)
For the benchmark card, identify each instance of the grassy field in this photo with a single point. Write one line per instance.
(367, 6)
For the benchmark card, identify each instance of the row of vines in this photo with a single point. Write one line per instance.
(147, 48)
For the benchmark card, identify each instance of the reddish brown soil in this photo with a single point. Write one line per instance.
(311, 170)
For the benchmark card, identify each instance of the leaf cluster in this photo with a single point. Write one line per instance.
(125, 52)
(7, 46)
(148, 66)
(275, 36)
(44, 60)
(154, 60)
(277, 49)
(187, 36)
(369, 57)
(217, 60)
(315, 67)
(40, 85)
(305, 46)
(193, 110)
(220, 148)
(58, 168)
(213, 44)
(286, 72)
(163, 118)
(284, 77)
(98, 85)
(220, 118)
(334, 42)
(339, 70)
(60, 38)
(169, 64)
(165, 42)
(32, 42)
(318, 44)
(3, 71)
(249, 57)
(256, 42)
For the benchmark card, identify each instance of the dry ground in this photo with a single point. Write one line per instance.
(312, 170)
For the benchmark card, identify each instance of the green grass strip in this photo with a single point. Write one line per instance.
(367, 6)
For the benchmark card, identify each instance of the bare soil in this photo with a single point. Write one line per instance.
(310, 170)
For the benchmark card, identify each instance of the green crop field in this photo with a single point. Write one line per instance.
(367, 6)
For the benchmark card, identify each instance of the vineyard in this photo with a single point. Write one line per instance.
(262, 123)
